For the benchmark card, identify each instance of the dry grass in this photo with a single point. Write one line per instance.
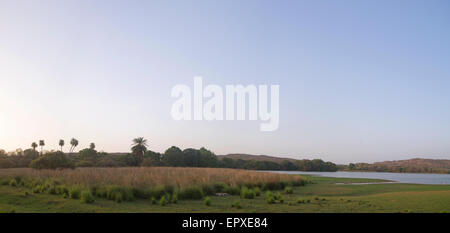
(152, 176)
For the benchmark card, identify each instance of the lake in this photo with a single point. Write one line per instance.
(412, 178)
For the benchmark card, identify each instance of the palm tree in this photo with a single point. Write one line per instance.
(61, 144)
(74, 143)
(41, 144)
(34, 145)
(139, 148)
(92, 146)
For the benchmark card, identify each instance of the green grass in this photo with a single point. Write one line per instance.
(323, 195)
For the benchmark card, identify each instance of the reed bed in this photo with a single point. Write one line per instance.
(143, 177)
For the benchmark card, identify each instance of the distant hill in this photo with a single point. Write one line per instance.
(416, 165)
(256, 158)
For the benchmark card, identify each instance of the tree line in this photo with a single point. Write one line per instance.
(141, 156)
(407, 166)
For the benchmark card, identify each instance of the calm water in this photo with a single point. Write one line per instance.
(412, 178)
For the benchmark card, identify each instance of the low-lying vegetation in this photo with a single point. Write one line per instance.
(157, 183)
(323, 196)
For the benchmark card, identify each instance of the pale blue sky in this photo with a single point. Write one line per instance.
(359, 80)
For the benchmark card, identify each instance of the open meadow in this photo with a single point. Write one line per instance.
(207, 190)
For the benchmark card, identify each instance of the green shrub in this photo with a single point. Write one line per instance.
(169, 189)
(207, 201)
(174, 198)
(119, 193)
(163, 201)
(13, 183)
(247, 193)
(153, 200)
(257, 191)
(157, 192)
(118, 197)
(101, 192)
(61, 189)
(236, 205)
(270, 199)
(87, 197)
(273, 186)
(38, 188)
(233, 190)
(49, 186)
(279, 198)
(74, 193)
(300, 201)
(288, 190)
(194, 193)
(52, 160)
(220, 187)
(208, 189)
(144, 193)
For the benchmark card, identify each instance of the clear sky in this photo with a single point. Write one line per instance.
(360, 81)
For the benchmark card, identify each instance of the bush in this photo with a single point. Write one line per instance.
(162, 201)
(13, 183)
(257, 191)
(174, 198)
(52, 160)
(236, 205)
(101, 192)
(38, 188)
(300, 201)
(87, 197)
(119, 194)
(279, 198)
(207, 201)
(194, 193)
(144, 193)
(233, 190)
(289, 190)
(157, 192)
(75, 193)
(270, 199)
(153, 200)
(118, 197)
(220, 187)
(62, 189)
(247, 193)
(208, 189)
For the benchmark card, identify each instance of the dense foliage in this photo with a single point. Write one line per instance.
(52, 161)
(407, 166)
(141, 156)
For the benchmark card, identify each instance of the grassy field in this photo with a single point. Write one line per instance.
(321, 195)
